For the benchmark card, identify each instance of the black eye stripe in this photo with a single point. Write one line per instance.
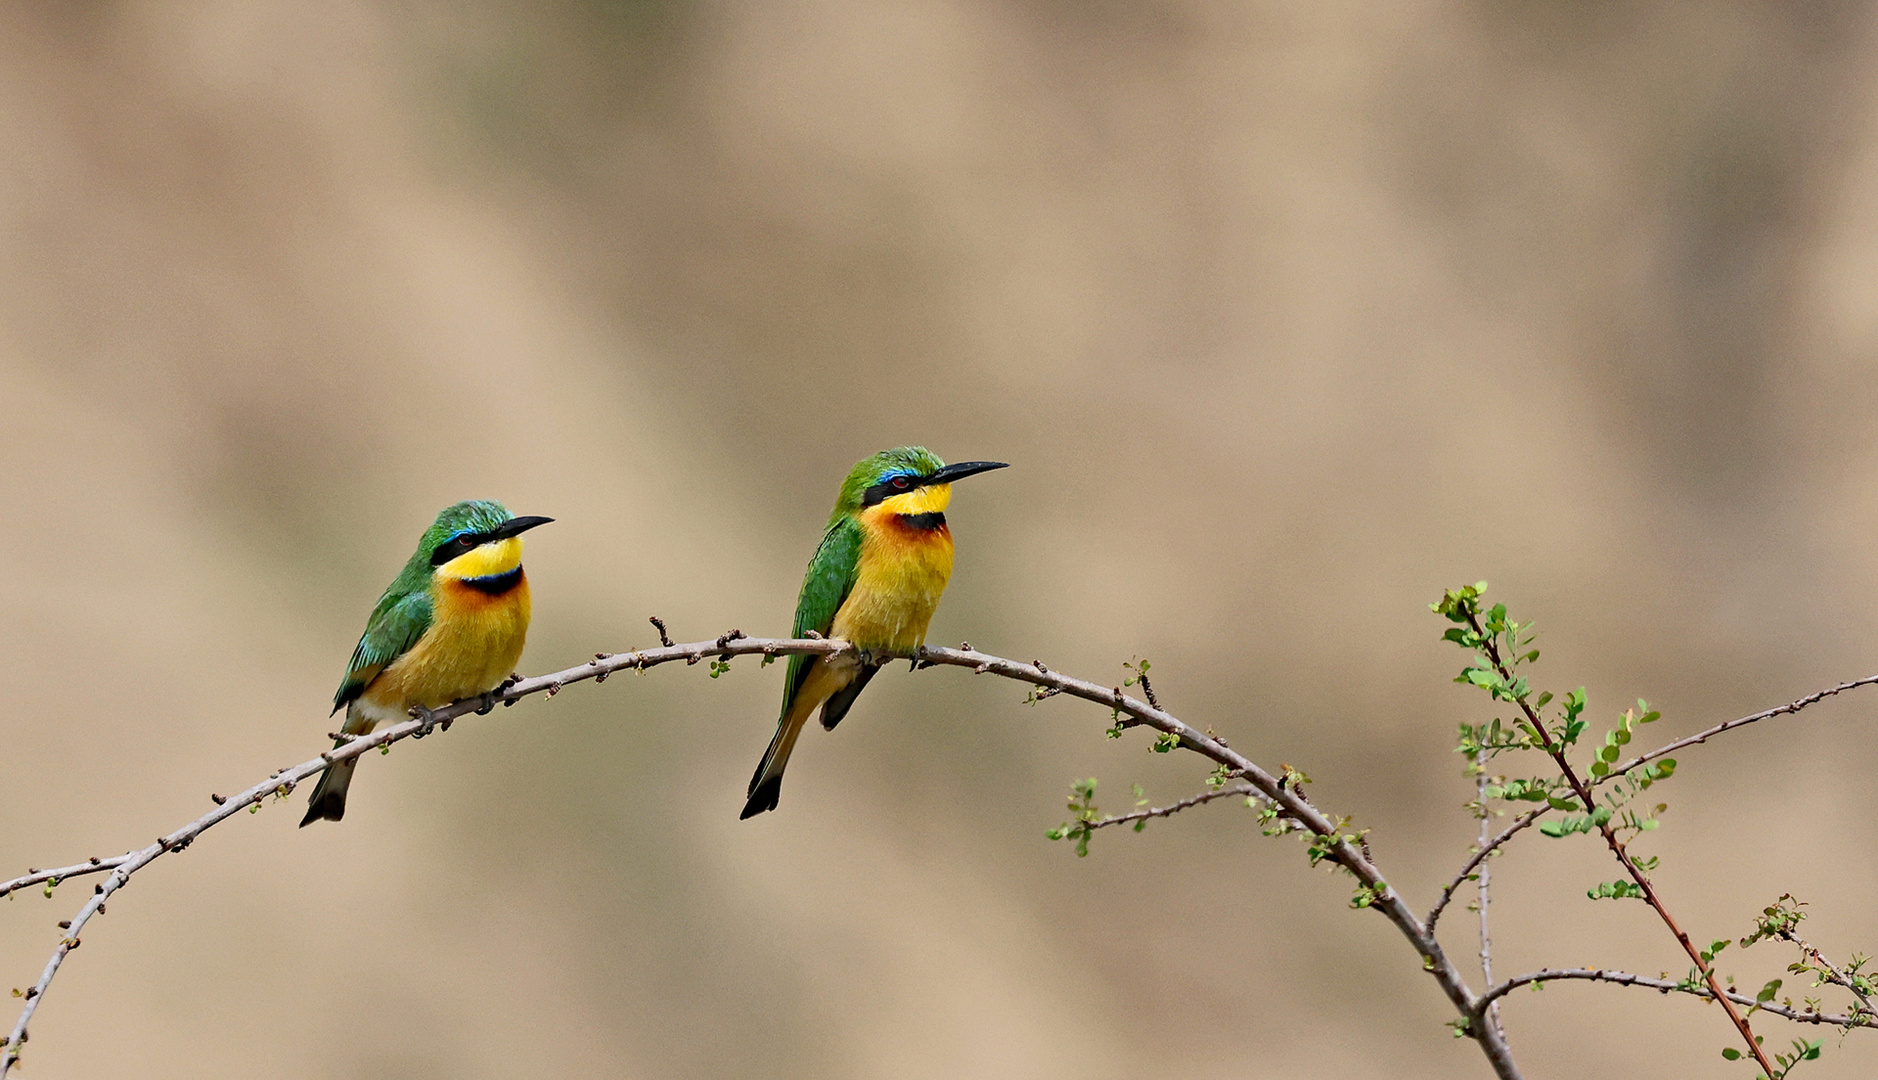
(898, 484)
(455, 546)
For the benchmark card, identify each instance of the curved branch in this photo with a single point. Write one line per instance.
(1704, 736)
(1480, 856)
(1665, 986)
(1343, 852)
(1332, 840)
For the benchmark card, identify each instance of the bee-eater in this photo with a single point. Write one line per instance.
(450, 627)
(873, 582)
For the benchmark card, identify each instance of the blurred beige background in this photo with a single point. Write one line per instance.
(1288, 316)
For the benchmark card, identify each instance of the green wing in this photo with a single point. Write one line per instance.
(400, 618)
(830, 578)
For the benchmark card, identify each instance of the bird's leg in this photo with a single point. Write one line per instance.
(429, 718)
(489, 701)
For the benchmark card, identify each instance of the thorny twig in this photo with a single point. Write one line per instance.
(1492, 1011)
(1833, 974)
(1245, 790)
(1480, 855)
(1704, 736)
(93, 865)
(1667, 986)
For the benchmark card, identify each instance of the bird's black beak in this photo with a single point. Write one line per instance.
(516, 526)
(964, 469)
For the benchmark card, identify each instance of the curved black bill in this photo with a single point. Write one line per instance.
(964, 469)
(515, 526)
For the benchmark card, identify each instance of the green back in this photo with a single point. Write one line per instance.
(830, 578)
(404, 612)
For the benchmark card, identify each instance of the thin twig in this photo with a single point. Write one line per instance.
(1583, 791)
(1174, 808)
(1666, 986)
(1492, 1012)
(1704, 736)
(1292, 802)
(64, 873)
(1480, 856)
(1833, 974)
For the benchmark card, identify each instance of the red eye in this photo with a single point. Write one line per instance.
(900, 482)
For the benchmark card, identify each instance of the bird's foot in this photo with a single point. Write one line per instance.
(429, 719)
(868, 659)
(489, 701)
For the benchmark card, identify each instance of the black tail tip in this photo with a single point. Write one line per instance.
(762, 797)
(327, 808)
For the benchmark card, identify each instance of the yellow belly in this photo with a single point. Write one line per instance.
(902, 574)
(473, 643)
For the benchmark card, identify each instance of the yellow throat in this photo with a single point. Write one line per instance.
(903, 572)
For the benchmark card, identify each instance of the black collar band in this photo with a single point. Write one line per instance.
(495, 584)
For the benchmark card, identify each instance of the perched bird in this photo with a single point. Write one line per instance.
(874, 582)
(450, 627)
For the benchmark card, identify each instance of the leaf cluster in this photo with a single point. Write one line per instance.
(1781, 919)
(1501, 647)
(1084, 812)
(1803, 1050)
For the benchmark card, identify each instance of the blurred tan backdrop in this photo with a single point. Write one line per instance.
(1288, 315)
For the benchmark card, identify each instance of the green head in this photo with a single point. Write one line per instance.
(465, 528)
(900, 471)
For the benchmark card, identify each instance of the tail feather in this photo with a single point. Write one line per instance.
(766, 784)
(329, 797)
(826, 682)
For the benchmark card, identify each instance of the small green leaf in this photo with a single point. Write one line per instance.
(1731, 1053)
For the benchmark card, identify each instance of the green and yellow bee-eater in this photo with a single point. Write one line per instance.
(873, 582)
(450, 627)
